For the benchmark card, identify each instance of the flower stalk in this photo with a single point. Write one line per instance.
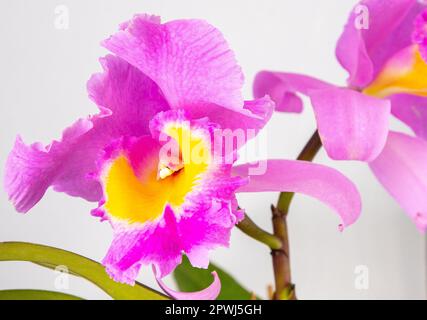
(249, 227)
(284, 288)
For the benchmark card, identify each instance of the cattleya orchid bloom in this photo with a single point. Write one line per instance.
(152, 158)
(387, 70)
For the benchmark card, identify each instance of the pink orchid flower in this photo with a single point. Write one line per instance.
(167, 85)
(386, 61)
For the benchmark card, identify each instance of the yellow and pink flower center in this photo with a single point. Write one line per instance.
(405, 72)
(144, 177)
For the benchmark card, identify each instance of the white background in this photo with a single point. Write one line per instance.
(43, 74)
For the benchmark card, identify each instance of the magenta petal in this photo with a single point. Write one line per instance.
(352, 126)
(189, 60)
(318, 181)
(362, 52)
(412, 110)
(133, 245)
(210, 293)
(282, 88)
(402, 170)
(162, 243)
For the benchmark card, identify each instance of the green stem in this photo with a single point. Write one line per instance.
(249, 227)
(285, 289)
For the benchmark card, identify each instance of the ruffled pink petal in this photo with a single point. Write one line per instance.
(189, 60)
(283, 88)
(402, 170)
(162, 243)
(352, 126)
(362, 52)
(412, 110)
(156, 243)
(210, 293)
(127, 100)
(320, 182)
(31, 170)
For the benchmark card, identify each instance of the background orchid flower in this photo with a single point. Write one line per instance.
(166, 86)
(385, 56)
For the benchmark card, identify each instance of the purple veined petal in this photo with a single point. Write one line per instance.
(362, 50)
(133, 98)
(317, 181)
(127, 100)
(411, 110)
(189, 60)
(210, 293)
(352, 126)
(402, 169)
(283, 88)
(293, 103)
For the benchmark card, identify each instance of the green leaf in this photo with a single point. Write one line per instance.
(35, 295)
(77, 265)
(189, 278)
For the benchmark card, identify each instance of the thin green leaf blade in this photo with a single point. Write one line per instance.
(28, 294)
(51, 257)
(189, 278)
